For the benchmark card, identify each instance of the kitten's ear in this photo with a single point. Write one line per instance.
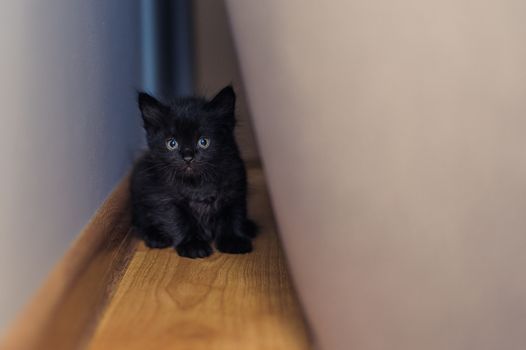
(152, 110)
(224, 101)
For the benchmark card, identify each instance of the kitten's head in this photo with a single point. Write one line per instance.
(191, 135)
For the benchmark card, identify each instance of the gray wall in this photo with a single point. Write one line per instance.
(68, 130)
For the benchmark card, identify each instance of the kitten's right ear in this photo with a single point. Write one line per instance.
(152, 110)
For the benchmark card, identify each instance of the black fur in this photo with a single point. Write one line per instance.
(188, 204)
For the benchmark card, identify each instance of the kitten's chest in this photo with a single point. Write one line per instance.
(203, 201)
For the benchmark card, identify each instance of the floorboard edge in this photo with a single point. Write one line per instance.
(65, 308)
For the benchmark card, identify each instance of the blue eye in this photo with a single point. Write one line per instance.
(171, 144)
(203, 142)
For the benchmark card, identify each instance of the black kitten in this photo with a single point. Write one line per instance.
(190, 187)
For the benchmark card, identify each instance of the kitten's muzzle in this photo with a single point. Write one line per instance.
(188, 155)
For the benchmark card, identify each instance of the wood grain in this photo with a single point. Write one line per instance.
(64, 311)
(222, 302)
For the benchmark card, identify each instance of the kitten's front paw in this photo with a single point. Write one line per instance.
(194, 249)
(157, 242)
(234, 244)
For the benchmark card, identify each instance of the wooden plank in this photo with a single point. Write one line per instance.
(65, 309)
(222, 302)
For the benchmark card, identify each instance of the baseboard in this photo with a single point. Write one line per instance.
(64, 311)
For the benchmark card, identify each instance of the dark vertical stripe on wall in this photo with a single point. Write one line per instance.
(148, 46)
(183, 58)
(167, 47)
(165, 61)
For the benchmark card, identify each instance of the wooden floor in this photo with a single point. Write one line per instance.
(222, 302)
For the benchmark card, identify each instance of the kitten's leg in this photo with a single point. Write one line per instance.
(194, 248)
(161, 225)
(153, 223)
(193, 245)
(233, 236)
(153, 238)
(251, 228)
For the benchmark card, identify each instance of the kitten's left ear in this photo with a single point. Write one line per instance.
(224, 101)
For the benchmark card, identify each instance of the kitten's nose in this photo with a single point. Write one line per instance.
(188, 155)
